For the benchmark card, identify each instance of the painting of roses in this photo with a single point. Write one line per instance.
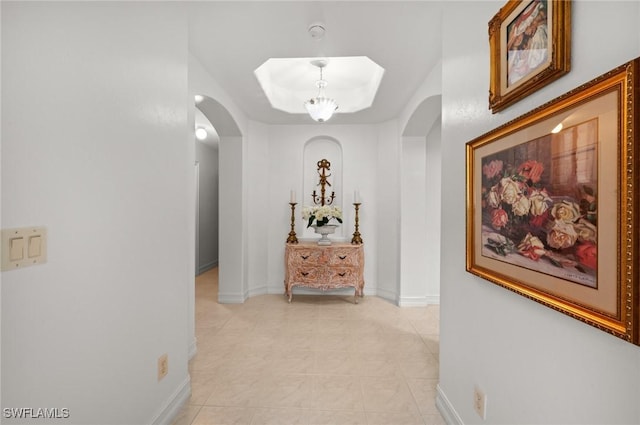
(553, 203)
(539, 204)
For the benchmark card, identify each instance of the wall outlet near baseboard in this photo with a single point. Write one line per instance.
(480, 402)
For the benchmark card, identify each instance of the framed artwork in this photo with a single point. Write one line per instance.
(530, 43)
(553, 203)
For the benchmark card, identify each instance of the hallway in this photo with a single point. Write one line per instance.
(318, 360)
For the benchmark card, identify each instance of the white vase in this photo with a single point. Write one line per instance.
(325, 230)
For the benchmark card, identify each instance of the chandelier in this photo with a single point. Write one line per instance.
(320, 108)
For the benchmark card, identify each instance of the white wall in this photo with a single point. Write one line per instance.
(259, 182)
(387, 231)
(413, 246)
(207, 157)
(535, 365)
(94, 128)
(0, 212)
(433, 159)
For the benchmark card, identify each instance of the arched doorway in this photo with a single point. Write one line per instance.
(420, 206)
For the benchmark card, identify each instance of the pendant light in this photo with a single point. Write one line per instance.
(320, 108)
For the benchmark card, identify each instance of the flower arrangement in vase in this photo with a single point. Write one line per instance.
(320, 217)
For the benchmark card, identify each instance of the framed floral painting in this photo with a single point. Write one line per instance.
(553, 204)
(530, 43)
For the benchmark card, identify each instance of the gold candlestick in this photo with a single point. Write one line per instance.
(356, 240)
(292, 234)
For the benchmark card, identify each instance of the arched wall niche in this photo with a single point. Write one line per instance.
(316, 149)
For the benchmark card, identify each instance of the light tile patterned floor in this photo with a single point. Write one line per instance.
(319, 360)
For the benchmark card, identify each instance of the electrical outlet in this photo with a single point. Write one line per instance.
(163, 366)
(480, 402)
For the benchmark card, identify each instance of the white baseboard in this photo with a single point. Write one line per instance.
(193, 348)
(235, 298)
(419, 301)
(205, 267)
(261, 290)
(387, 295)
(446, 409)
(173, 405)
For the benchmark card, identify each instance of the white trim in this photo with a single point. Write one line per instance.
(446, 409)
(233, 298)
(173, 405)
(387, 295)
(260, 290)
(205, 267)
(193, 348)
(433, 299)
(419, 301)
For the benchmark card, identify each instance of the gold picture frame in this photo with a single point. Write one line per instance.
(553, 211)
(530, 43)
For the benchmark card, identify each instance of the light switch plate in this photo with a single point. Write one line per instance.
(32, 241)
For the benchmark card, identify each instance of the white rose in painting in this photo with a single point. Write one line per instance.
(510, 191)
(586, 231)
(562, 235)
(493, 198)
(540, 202)
(566, 211)
(521, 206)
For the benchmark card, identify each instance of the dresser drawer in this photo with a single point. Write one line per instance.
(308, 275)
(344, 257)
(305, 256)
(342, 275)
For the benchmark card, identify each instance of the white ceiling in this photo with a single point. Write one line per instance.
(233, 38)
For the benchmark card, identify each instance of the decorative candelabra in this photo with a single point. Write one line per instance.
(292, 234)
(356, 240)
(322, 200)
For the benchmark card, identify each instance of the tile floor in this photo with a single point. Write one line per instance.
(319, 360)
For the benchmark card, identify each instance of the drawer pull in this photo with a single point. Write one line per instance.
(342, 274)
(304, 257)
(342, 257)
(304, 273)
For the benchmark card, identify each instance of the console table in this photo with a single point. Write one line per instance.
(339, 265)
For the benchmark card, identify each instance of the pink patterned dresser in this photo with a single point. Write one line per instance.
(340, 265)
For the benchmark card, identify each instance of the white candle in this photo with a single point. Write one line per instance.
(356, 197)
(293, 197)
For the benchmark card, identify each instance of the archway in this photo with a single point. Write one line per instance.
(420, 206)
(231, 275)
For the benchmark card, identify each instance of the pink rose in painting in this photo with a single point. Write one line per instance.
(531, 170)
(499, 218)
(587, 254)
(492, 169)
(539, 220)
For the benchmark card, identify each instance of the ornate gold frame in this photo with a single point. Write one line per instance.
(558, 63)
(617, 275)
